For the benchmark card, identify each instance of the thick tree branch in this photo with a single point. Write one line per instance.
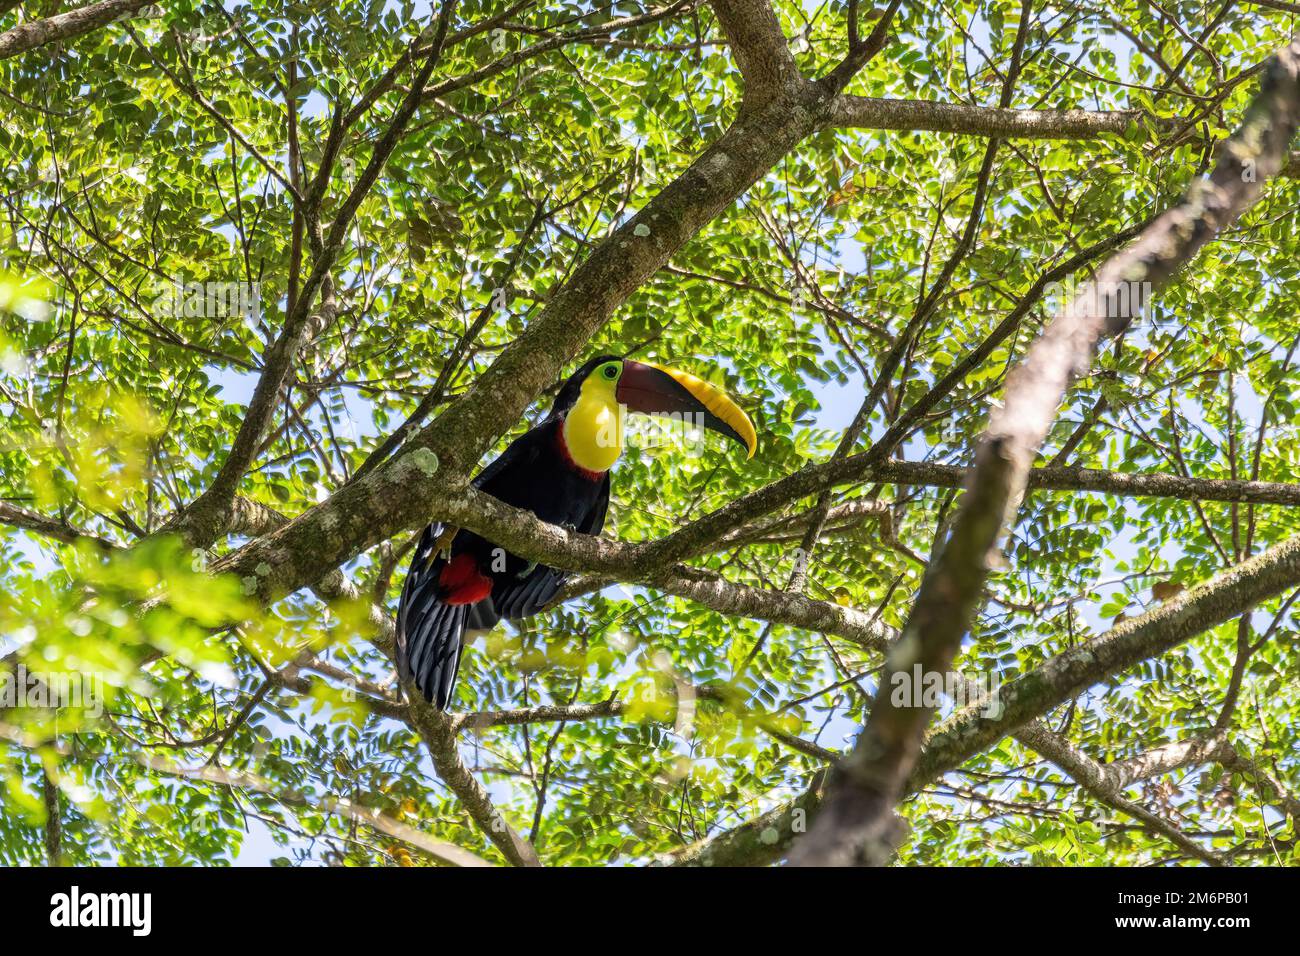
(869, 112)
(611, 707)
(53, 819)
(17, 517)
(760, 48)
(883, 113)
(250, 518)
(66, 26)
(1161, 760)
(445, 453)
(1228, 595)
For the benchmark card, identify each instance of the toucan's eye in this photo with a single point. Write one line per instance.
(611, 371)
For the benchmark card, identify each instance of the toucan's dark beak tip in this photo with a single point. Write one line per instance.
(744, 441)
(741, 440)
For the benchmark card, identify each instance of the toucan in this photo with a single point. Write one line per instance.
(558, 470)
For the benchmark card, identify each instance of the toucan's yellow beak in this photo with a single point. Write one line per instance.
(657, 390)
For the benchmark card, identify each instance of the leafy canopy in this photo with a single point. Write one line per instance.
(155, 154)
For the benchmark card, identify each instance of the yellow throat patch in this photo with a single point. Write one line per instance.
(593, 428)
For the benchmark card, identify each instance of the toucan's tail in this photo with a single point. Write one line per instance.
(429, 653)
(431, 617)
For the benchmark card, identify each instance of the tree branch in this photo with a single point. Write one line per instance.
(759, 47)
(1028, 697)
(859, 825)
(53, 528)
(445, 452)
(66, 26)
(883, 113)
(1092, 777)
(869, 112)
(200, 523)
(439, 735)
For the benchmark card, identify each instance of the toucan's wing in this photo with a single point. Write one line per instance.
(482, 616)
(595, 521)
(520, 453)
(531, 592)
(527, 595)
(500, 479)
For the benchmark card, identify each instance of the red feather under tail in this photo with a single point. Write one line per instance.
(462, 582)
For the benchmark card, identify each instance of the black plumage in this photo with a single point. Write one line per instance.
(535, 474)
